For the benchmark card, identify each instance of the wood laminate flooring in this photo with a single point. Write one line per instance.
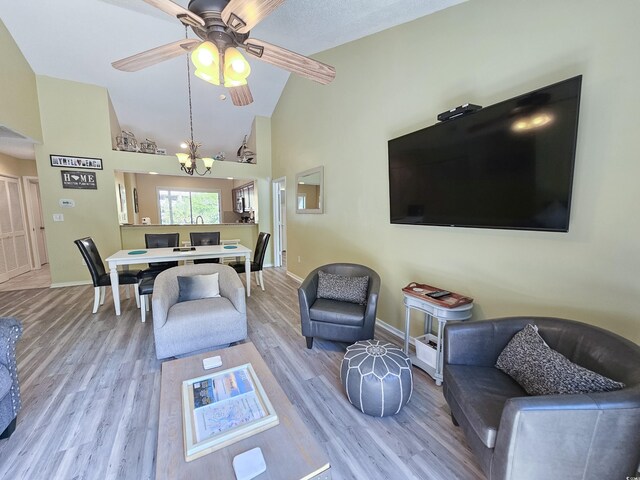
(90, 394)
(40, 278)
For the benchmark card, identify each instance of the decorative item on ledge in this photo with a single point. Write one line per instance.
(127, 141)
(244, 154)
(148, 146)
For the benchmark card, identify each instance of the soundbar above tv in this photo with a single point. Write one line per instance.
(508, 166)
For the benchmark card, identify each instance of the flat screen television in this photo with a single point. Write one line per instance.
(507, 166)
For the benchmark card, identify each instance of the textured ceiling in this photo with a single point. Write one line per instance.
(78, 39)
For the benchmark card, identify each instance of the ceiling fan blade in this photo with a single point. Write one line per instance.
(291, 61)
(175, 10)
(241, 96)
(156, 55)
(243, 15)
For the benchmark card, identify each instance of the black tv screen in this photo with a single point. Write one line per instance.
(506, 166)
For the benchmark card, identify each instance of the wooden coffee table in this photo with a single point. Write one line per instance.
(289, 449)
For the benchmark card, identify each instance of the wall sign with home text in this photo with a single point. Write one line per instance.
(79, 180)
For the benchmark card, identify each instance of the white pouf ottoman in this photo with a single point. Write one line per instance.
(376, 377)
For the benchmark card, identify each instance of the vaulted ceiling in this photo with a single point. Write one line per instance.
(78, 39)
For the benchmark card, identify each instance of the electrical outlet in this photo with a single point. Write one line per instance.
(58, 217)
(299, 258)
(83, 262)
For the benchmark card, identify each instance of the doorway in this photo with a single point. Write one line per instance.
(14, 250)
(37, 236)
(280, 221)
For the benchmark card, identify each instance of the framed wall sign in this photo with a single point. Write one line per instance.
(79, 180)
(76, 162)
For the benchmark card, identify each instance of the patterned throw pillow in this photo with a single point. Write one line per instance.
(540, 370)
(344, 289)
(196, 287)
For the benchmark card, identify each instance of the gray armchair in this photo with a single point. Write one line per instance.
(10, 333)
(520, 437)
(335, 320)
(182, 328)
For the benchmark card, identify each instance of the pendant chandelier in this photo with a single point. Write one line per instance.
(188, 161)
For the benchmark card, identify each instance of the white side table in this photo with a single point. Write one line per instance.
(442, 315)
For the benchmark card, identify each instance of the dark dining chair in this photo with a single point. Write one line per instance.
(258, 259)
(99, 276)
(205, 238)
(147, 276)
(159, 240)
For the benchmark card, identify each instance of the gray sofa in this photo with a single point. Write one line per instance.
(197, 325)
(10, 333)
(520, 437)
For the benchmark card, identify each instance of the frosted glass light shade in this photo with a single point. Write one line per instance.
(208, 162)
(236, 66)
(206, 55)
(182, 158)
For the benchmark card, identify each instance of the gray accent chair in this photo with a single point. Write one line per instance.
(335, 320)
(10, 333)
(194, 326)
(520, 437)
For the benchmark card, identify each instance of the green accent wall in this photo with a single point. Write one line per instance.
(483, 52)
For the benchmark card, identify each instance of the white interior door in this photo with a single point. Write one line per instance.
(279, 220)
(38, 222)
(14, 250)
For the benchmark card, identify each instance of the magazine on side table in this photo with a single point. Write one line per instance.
(223, 408)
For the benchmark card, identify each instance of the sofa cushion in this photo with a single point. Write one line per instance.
(481, 393)
(198, 324)
(342, 288)
(195, 287)
(332, 311)
(543, 371)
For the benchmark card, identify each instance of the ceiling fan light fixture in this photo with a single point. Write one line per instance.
(236, 66)
(206, 55)
(234, 83)
(210, 75)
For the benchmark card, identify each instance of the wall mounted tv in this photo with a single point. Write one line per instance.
(506, 166)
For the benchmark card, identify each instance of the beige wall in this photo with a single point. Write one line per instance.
(397, 81)
(17, 167)
(148, 185)
(18, 98)
(76, 121)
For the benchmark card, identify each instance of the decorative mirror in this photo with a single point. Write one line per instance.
(310, 191)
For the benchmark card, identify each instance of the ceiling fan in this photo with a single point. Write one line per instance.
(223, 26)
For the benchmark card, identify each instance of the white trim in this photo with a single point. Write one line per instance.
(277, 220)
(295, 277)
(393, 330)
(33, 239)
(71, 284)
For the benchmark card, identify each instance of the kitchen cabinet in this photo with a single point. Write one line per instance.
(243, 198)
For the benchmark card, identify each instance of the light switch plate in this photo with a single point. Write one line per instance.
(58, 217)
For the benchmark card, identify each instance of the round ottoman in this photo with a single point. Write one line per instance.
(377, 377)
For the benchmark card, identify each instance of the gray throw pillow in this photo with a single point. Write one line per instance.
(540, 370)
(196, 287)
(344, 289)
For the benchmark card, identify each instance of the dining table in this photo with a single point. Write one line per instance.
(146, 255)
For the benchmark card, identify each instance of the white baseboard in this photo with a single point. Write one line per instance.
(295, 277)
(393, 331)
(70, 284)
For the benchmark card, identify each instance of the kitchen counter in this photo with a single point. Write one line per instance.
(132, 236)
